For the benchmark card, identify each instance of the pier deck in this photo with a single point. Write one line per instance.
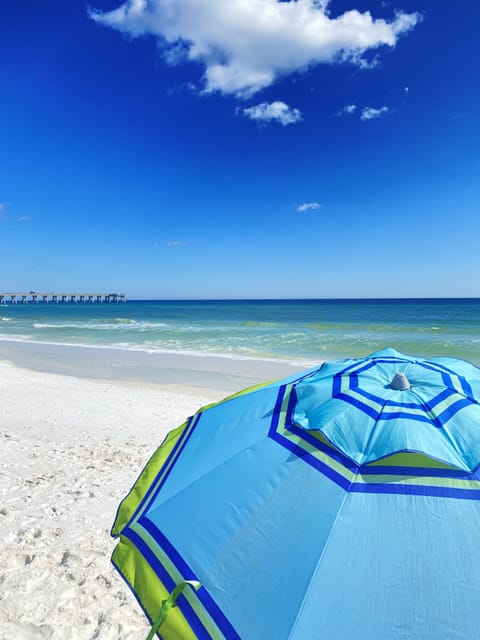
(36, 297)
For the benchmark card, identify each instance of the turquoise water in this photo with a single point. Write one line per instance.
(303, 331)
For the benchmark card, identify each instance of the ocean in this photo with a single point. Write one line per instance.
(298, 331)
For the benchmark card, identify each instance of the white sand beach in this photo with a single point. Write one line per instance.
(71, 448)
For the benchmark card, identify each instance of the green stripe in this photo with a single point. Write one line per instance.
(440, 408)
(306, 446)
(130, 503)
(154, 466)
(451, 483)
(187, 428)
(457, 385)
(150, 591)
(412, 459)
(238, 394)
(177, 577)
(403, 459)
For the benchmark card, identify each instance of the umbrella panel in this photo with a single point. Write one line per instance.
(297, 541)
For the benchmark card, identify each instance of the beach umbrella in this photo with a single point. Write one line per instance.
(340, 503)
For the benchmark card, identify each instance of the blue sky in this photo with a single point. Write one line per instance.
(245, 149)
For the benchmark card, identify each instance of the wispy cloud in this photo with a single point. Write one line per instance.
(277, 111)
(370, 113)
(308, 206)
(24, 218)
(348, 109)
(245, 46)
(169, 243)
(366, 113)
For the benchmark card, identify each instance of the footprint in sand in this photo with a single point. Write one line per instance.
(30, 631)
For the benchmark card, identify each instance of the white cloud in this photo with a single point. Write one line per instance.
(307, 206)
(277, 111)
(176, 243)
(370, 113)
(348, 109)
(245, 45)
(24, 218)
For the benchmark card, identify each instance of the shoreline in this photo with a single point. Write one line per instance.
(179, 372)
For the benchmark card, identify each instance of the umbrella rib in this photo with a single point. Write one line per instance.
(211, 470)
(443, 428)
(319, 562)
(372, 431)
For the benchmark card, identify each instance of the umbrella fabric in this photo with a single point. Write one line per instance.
(338, 503)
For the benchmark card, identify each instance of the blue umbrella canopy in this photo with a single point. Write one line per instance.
(342, 502)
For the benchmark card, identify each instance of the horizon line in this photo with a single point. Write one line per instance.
(309, 299)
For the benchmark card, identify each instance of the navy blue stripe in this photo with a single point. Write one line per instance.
(168, 582)
(311, 460)
(277, 409)
(150, 489)
(387, 416)
(427, 472)
(309, 374)
(391, 487)
(304, 434)
(367, 365)
(433, 366)
(336, 385)
(436, 367)
(135, 595)
(467, 389)
(465, 385)
(292, 401)
(454, 408)
(417, 489)
(179, 451)
(366, 470)
(301, 433)
(208, 602)
(407, 416)
(354, 386)
(448, 381)
(370, 411)
(442, 396)
(361, 364)
(321, 446)
(370, 396)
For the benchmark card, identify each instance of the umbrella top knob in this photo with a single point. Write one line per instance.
(400, 382)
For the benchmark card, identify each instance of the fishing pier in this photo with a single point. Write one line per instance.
(62, 298)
